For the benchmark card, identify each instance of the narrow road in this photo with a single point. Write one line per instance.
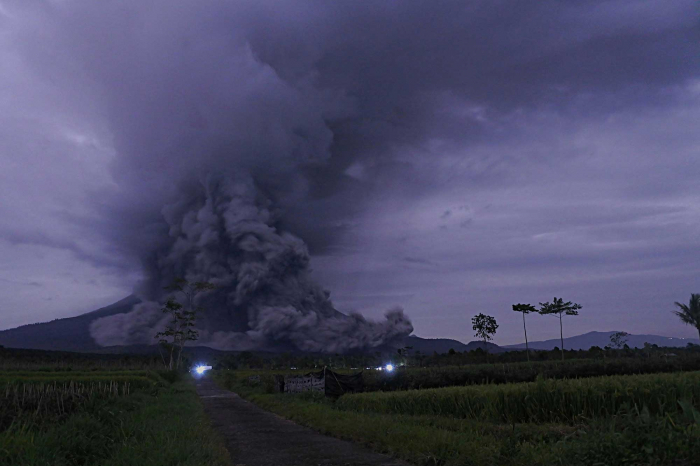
(256, 437)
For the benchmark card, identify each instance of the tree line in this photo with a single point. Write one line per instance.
(485, 326)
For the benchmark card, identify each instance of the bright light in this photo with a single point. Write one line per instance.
(200, 370)
(389, 367)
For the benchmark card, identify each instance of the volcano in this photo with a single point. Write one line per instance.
(69, 334)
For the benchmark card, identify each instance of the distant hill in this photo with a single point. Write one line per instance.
(602, 339)
(443, 345)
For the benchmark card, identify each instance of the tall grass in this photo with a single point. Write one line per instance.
(567, 401)
(39, 399)
(40, 403)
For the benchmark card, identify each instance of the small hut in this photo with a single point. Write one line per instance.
(325, 381)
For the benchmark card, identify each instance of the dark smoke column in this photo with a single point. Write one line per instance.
(223, 231)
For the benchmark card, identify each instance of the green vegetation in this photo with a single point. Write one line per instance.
(181, 327)
(103, 418)
(689, 313)
(643, 420)
(618, 340)
(484, 327)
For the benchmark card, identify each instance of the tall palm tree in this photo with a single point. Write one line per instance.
(690, 313)
(525, 309)
(559, 308)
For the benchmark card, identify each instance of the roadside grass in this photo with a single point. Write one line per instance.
(630, 436)
(163, 427)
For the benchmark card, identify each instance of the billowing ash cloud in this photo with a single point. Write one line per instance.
(222, 231)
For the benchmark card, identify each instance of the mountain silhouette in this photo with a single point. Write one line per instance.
(602, 339)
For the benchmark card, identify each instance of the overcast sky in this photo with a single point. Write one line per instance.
(458, 157)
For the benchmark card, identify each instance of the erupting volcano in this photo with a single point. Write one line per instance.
(223, 232)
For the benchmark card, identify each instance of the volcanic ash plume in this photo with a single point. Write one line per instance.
(224, 233)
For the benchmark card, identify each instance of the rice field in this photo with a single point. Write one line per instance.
(561, 401)
(39, 398)
(102, 417)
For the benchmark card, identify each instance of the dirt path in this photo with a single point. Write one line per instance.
(255, 437)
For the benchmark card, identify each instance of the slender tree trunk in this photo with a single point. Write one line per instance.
(527, 348)
(172, 348)
(160, 351)
(561, 335)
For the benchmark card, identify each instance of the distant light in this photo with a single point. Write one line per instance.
(389, 367)
(200, 369)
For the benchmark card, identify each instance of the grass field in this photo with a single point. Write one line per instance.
(612, 420)
(116, 417)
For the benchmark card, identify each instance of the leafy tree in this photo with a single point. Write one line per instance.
(403, 352)
(525, 309)
(618, 339)
(183, 317)
(484, 327)
(690, 313)
(559, 308)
